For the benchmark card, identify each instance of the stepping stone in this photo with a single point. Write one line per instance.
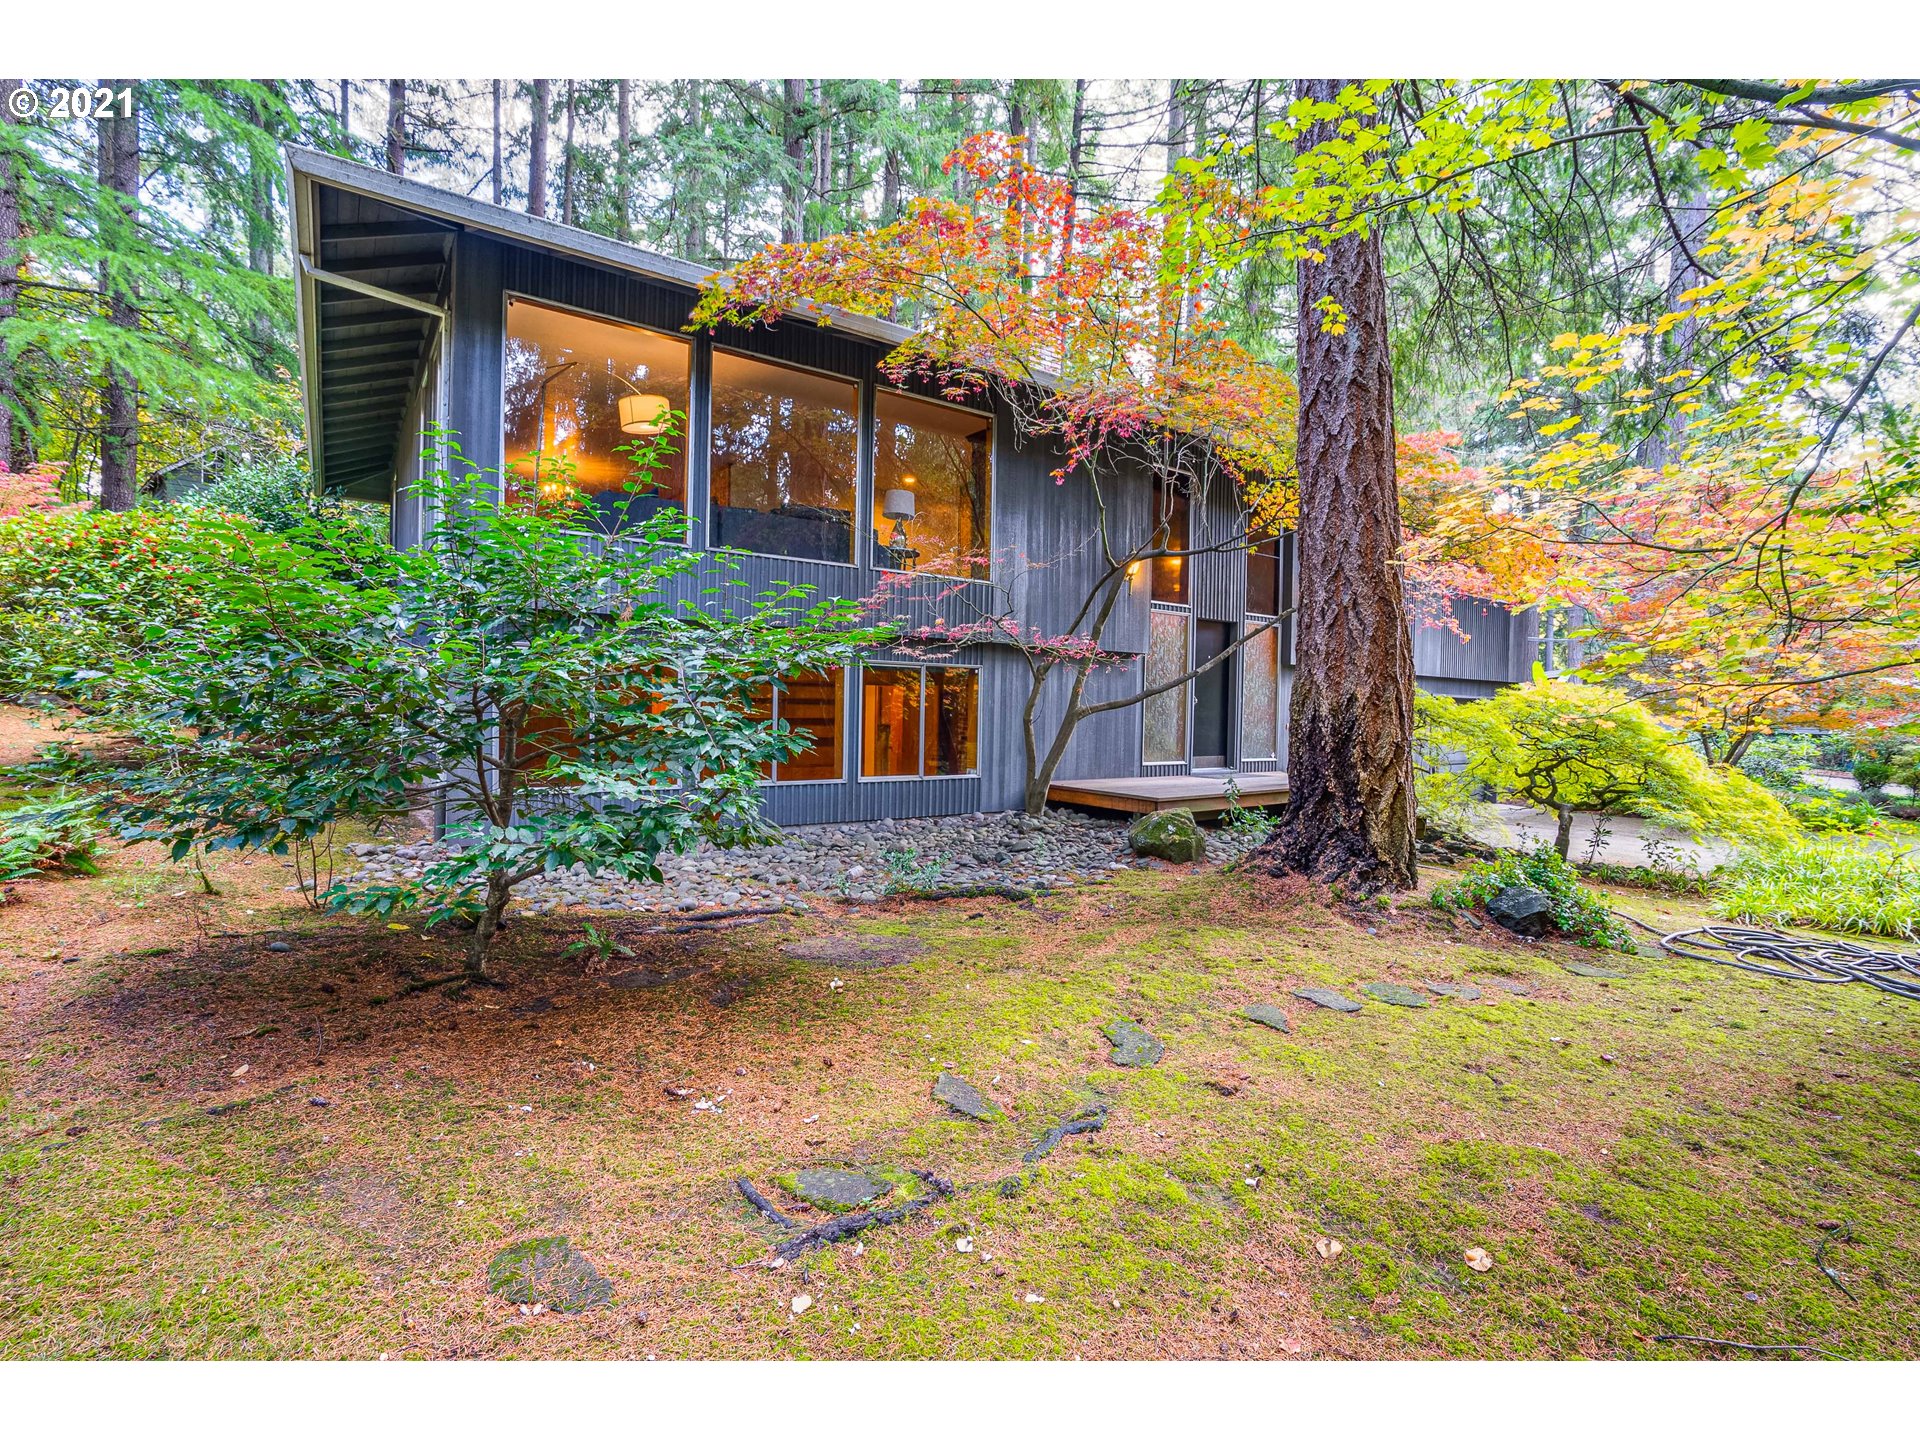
(1271, 1016)
(1458, 992)
(1512, 987)
(1329, 1000)
(951, 1090)
(1593, 972)
(856, 952)
(1395, 993)
(831, 1189)
(1132, 1046)
(548, 1272)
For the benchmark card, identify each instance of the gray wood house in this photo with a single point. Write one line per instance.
(420, 308)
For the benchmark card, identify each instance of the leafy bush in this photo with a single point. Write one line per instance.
(1833, 885)
(80, 589)
(1827, 814)
(1568, 748)
(277, 495)
(1645, 877)
(564, 710)
(1577, 912)
(1780, 762)
(1871, 774)
(48, 836)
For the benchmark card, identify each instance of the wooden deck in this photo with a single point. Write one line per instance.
(1198, 793)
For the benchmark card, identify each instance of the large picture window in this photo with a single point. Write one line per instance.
(1163, 717)
(566, 376)
(919, 721)
(784, 448)
(932, 487)
(812, 703)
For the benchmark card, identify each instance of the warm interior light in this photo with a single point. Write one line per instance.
(644, 414)
(909, 480)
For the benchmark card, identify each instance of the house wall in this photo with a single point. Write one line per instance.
(1047, 556)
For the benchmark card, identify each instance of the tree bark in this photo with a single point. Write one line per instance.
(9, 280)
(120, 397)
(499, 172)
(793, 226)
(487, 925)
(346, 111)
(397, 126)
(623, 163)
(537, 148)
(566, 163)
(1563, 830)
(1350, 818)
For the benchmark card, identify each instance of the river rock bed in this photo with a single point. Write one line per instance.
(864, 862)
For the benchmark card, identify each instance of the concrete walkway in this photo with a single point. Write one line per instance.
(1513, 826)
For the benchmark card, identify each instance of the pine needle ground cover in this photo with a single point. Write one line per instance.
(230, 1128)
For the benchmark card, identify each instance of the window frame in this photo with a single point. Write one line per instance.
(697, 398)
(846, 696)
(861, 502)
(871, 528)
(979, 714)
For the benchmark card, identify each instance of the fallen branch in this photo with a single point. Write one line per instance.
(842, 1226)
(1845, 1232)
(1085, 1123)
(971, 892)
(1742, 1345)
(459, 977)
(764, 1205)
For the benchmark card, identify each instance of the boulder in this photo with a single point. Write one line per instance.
(1523, 910)
(548, 1272)
(1168, 835)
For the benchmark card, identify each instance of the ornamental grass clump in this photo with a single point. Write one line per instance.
(1578, 913)
(1836, 885)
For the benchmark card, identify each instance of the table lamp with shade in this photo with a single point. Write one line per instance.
(899, 506)
(643, 414)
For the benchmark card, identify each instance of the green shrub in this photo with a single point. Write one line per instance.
(48, 837)
(277, 495)
(1871, 774)
(1646, 877)
(1569, 748)
(1577, 912)
(1831, 885)
(1827, 814)
(1780, 762)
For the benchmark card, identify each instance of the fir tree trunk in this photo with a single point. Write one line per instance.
(10, 452)
(566, 163)
(793, 186)
(499, 173)
(397, 126)
(1350, 817)
(623, 163)
(120, 399)
(537, 148)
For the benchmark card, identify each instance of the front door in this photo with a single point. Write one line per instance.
(1210, 692)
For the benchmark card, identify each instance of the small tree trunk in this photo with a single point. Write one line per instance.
(566, 163)
(1563, 834)
(537, 148)
(623, 163)
(9, 274)
(499, 174)
(397, 126)
(492, 912)
(1350, 817)
(120, 399)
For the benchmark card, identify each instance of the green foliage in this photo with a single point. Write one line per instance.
(1824, 812)
(1872, 774)
(79, 590)
(1835, 885)
(1577, 912)
(1564, 747)
(60, 835)
(538, 687)
(276, 493)
(1780, 762)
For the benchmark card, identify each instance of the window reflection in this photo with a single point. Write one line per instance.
(566, 375)
(811, 703)
(1170, 533)
(784, 444)
(932, 486)
(1263, 578)
(919, 721)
